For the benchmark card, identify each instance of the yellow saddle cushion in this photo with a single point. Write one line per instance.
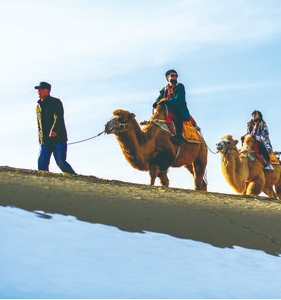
(190, 133)
(273, 159)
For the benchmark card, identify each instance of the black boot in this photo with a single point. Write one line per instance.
(176, 139)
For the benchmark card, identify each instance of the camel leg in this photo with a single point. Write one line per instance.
(245, 191)
(255, 187)
(199, 171)
(199, 182)
(278, 192)
(190, 168)
(153, 172)
(163, 178)
(204, 185)
(269, 192)
(278, 189)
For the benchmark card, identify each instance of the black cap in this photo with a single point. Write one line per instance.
(43, 85)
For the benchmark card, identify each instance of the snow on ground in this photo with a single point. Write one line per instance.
(60, 257)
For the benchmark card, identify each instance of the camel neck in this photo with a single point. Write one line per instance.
(131, 143)
(233, 171)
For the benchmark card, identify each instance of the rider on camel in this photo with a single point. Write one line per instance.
(258, 127)
(175, 94)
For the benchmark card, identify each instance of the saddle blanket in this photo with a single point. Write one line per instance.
(273, 158)
(189, 133)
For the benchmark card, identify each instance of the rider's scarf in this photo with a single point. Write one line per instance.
(255, 129)
(170, 91)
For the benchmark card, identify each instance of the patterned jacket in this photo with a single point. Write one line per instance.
(262, 134)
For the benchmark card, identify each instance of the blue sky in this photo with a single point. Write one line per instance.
(104, 55)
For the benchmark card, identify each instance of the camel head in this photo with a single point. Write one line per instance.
(160, 110)
(227, 143)
(120, 122)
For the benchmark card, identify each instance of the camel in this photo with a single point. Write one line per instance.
(150, 149)
(244, 175)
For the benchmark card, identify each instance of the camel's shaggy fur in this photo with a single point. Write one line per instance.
(150, 149)
(246, 176)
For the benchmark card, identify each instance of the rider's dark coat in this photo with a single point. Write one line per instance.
(177, 100)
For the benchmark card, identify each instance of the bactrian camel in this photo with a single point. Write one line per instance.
(150, 148)
(244, 175)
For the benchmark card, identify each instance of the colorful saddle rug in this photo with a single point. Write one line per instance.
(273, 159)
(257, 157)
(189, 133)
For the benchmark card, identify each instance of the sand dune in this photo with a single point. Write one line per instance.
(219, 219)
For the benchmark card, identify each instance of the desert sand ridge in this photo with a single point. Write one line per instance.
(221, 220)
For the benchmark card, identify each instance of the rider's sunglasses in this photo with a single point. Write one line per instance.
(174, 75)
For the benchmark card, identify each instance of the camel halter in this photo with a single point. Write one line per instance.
(226, 146)
(125, 126)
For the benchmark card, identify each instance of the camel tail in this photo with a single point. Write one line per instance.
(205, 180)
(203, 157)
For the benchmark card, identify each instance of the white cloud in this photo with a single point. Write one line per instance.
(60, 38)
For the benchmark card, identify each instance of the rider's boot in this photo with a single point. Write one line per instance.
(176, 139)
(269, 167)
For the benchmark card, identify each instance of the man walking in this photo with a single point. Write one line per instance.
(51, 130)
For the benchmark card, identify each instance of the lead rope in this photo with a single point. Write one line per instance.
(207, 144)
(87, 139)
(211, 150)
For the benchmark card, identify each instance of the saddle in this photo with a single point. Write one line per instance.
(189, 132)
(274, 159)
(261, 158)
(277, 156)
(255, 155)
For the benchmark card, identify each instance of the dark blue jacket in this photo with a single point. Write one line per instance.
(178, 101)
(50, 118)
